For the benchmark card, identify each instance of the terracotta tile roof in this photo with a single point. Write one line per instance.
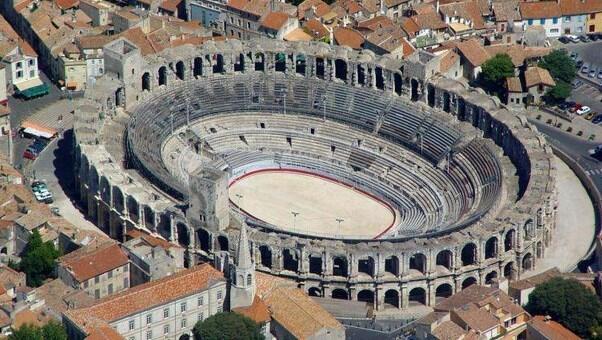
(170, 5)
(467, 10)
(350, 6)
(66, 4)
(375, 23)
(274, 20)
(145, 296)
(21, 5)
(94, 41)
(409, 26)
(484, 7)
(506, 11)
(537, 75)
(86, 263)
(257, 312)
(298, 313)
(408, 49)
(575, 7)
(551, 329)
(393, 3)
(315, 28)
(320, 6)
(473, 51)
(476, 318)
(150, 239)
(448, 60)
(540, 9)
(34, 219)
(448, 330)
(388, 38)
(513, 84)
(298, 34)
(373, 6)
(104, 333)
(429, 20)
(465, 296)
(518, 53)
(27, 316)
(348, 37)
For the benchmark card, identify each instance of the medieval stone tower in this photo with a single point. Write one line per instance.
(208, 199)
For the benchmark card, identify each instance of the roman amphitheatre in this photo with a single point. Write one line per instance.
(361, 177)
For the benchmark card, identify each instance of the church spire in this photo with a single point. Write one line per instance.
(243, 254)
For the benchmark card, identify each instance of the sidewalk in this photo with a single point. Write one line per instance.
(577, 127)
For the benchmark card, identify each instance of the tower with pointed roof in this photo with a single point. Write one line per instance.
(242, 289)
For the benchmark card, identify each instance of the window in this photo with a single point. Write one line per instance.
(110, 288)
(554, 20)
(131, 325)
(166, 329)
(592, 16)
(530, 21)
(19, 64)
(97, 279)
(97, 293)
(567, 18)
(110, 274)
(149, 318)
(19, 74)
(166, 313)
(542, 21)
(86, 284)
(126, 267)
(149, 335)
(183, 307)
(219, 295)
(200, 316)
(183, 323)
(32, 73)
(200, 300)
(220, 309)
(231, 20)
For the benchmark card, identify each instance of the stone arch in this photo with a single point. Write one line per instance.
(528, 230)
(259, 61)
(314, 291)
(223, 243)
(180, 70)
(418, 262)
(315, 264)
(469, 254)
(204, 239)
(361, 74)
(162, 75)
(265, 256)
(183, 235)
(320, 67)
(392, 298)
(430, 95)
(184, 337)
(105, 190)
(290, 261)
(4, 251)
(197, 67)
(510, 240)
(280, 62)
(339, 266)
(491, 277)
(397, 83)
(527, 262)
(509, 271)
(239, 65)
(491, 248)
(443, 291)
(93, 180)
(366, 295)
(133, 209)
(300, 64)
(149, 218)
(118, 200)
(340, 67)
(446, 101)
(392, 265)
(445, 259)
(379, 77)
(218, 66)
(461, 109)
(469, 281)
(539, 250)
(417, 296)
(164, 227)
(146, 82)
(340, 294)
(414, 87)
(366, 265)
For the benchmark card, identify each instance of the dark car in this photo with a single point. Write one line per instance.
(29, 155)
(564, 40)
(571, 103)
(597, 119)
(563, 106)
(584, 38)
(594, 37)
(579, 63)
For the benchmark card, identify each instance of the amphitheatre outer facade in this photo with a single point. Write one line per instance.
(160, 138)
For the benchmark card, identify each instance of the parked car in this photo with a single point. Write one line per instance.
(584, 38)
(574, 108)
(594, 37)
(592, 73)
(564, 40)
(579, 63)
(576, 83)
(41, 192)
(597, 119)
(574, 55)
(600, 74)
(585, 69)
(583, 110)
(563, 106)
(573, 38)
(29, 155)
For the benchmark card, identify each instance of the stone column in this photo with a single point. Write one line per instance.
(431, 294)
(173, 235)
(326, 264)
(141, 217)
(404, 296)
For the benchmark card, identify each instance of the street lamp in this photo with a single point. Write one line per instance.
(239, 196)
(339, 220)
(295, 214)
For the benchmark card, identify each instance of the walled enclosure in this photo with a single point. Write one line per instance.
(122, 187)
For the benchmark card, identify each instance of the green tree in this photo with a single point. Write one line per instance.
(27, 332)
(54, 331)
(568, 302)
(494, 73)
(39, 260)
(227, 326)
(558, 93)
(560, 66)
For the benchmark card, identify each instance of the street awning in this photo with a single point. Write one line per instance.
(29, 84)
(38, 130)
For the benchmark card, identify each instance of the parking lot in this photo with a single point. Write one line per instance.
(587, 55)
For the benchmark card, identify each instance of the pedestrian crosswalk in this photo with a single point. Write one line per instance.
(594, 172)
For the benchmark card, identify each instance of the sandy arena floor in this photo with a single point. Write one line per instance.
(273, 196)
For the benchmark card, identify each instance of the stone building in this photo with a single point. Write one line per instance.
(167, 308)
(99, 270)
(537, 83)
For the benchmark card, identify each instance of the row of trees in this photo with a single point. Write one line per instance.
(570, 303)
(561, 67)
(50, 331)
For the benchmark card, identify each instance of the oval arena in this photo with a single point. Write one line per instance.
(361, 177)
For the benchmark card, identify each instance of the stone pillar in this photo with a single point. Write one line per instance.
(173, 235)
(352, 265)
(379, 298)
(326, 264)
(303, 261)
(352, 68)
(431, 294)
(141, 217)
(379, 266)
(372, 77)
(404, 296)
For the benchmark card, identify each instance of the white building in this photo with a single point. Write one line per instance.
(91, 49)
(22, 68)
(164, 309)
(543, 13)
